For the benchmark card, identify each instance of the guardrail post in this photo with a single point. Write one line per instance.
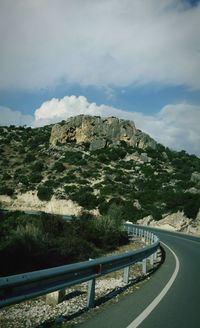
(126, 275)
(91, 293)
(155, 256)
(152, 259)
(55, 297)
(144, 266)
(148, 236)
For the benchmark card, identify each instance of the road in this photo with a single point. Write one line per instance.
(171, 298)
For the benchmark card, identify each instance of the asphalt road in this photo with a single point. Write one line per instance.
(177, 307)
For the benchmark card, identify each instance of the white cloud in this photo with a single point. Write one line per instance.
(56, 110)
(175, 126)
(101, 43)
(10, 117)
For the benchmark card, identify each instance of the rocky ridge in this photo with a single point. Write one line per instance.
(99, 132)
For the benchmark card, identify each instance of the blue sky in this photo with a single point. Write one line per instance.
(134, 59)
(146, 99)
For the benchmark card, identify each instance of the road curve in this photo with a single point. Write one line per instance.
(153, 305)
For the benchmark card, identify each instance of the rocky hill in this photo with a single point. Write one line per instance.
(96, 165)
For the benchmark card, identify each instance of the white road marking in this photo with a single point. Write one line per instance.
(142, 316)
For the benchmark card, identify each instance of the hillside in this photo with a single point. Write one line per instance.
(93, 164)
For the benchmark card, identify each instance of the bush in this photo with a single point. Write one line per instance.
(4, 190)
(69, 178)
(6, 176)
(38, 166)
(58, 167)
(85, 198)
(35, 177)
(51, 183)
(191, 205)
(23, 179)
(44, 193)
(106, 190)
(72, 157)
(108, 231)
(29, 158)
(103, 207)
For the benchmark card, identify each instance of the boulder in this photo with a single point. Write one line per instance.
(144, 158)
(195, 177)
(178, 221)
(146, 220)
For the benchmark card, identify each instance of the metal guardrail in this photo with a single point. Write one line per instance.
(20, 287)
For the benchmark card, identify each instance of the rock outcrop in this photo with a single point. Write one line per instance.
(175, 222)
(30, 202)
(195, 177)
(99, 132)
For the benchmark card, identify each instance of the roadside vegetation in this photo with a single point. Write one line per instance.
(33, 242)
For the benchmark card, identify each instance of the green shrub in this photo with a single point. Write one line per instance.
(51, 183)
(29, 158)
(44, 193)
(4, 190)
(85, 198)
(23, 179)
(72, 157)
(106, 190)
(107, 231)
(35, 177)
(69, 178)
(6, 176)
(191, 205)
(38, 166)
(103, 207)
(58, 167)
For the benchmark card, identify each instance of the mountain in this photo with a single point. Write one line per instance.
(93, 164)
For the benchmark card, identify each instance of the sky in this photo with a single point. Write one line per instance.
(133, 59)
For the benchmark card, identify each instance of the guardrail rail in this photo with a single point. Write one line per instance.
(20, 287)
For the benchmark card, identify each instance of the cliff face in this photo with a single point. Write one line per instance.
(99, 132)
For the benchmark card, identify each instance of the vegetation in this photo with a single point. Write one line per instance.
(32, 242)
(44, 192)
